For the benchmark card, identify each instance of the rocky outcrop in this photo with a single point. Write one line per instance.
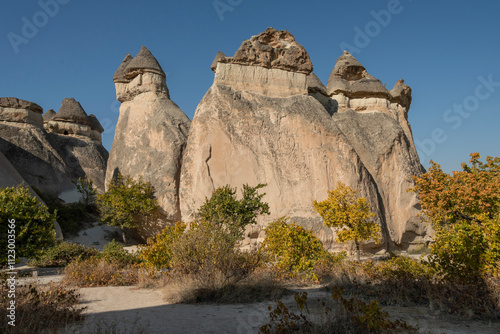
(71, 119)
(273, 49)
(55, 149)
(151, 133)
(20, 111)
(268, 119)
(375, 121)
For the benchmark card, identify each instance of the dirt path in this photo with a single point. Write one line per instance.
(130, 306)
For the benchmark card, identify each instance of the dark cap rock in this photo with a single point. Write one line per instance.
(71, 111)
(349, 77)
(49, 114)
(401, 94)
(219, 57)
(143, 62)
(120, 72)
(95, 124)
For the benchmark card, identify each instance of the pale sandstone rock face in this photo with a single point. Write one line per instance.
(269, 82)
(291, 144)
(301, 142)
(389, 156)
(150, 135)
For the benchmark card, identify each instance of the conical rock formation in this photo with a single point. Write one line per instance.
(150, 135)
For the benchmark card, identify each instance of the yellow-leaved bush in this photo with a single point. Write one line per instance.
(464, 210)
(293, 248)
(349, 215)
(157, 252)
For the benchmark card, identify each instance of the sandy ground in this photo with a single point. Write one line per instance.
(144, 308)
(97, 236)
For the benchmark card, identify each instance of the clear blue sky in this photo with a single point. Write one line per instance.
(447, 51)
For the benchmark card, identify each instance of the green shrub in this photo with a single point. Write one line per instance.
(126, 203)
(114, 253)
(71, 217)
(209, 253)
(62, 254)
(223, 209)
(294, 249)
(85, 187)
(31, 221)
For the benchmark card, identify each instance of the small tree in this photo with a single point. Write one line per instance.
(126, 203)
(85, 187)
(223, 209)
(31, 221)
(349, 215)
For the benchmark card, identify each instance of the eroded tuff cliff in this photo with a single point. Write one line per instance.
(268, 119)
(49, 158)
(150, 135)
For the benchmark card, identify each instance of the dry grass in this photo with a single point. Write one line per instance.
(406, 282)
(99, 272)
(40, 309)
(257, 287)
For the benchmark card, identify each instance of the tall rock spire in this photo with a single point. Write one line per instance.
(150, 135)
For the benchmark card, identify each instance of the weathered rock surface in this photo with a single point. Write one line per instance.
(291, 144)
(51, 158)
(20, 111)
(151, 133)
(255, 79)
(273, 49)
(289, 131)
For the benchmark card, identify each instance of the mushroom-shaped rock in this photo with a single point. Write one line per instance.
(72, 112)
(143, 62)
(401, 94)
(350, 78)
(274, 49)
(219, 57)
(48, 115)
(120, 72)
